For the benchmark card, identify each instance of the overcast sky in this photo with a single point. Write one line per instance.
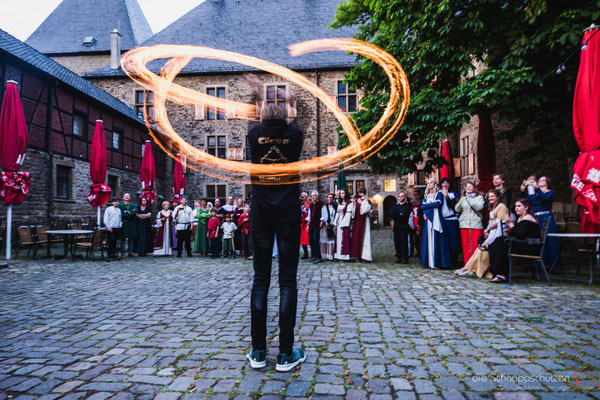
(21, 17)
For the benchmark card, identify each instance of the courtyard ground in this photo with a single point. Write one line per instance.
(179, 329)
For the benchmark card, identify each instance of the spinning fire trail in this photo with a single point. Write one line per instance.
(360, 147)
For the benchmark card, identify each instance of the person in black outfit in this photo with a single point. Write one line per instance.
(275, 213)
(399, 214)
(527, 227)
(314, 226)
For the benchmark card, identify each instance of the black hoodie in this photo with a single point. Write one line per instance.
(274, 141)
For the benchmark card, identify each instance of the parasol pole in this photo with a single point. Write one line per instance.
(8, 231)
(98, 219)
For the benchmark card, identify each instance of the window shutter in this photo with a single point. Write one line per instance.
(199, 112)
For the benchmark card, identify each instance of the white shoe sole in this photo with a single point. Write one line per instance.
(289, 367)
(256, 364)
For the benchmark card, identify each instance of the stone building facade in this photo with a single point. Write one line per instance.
(61, 110)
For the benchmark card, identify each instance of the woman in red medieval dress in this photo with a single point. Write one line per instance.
(360, 244)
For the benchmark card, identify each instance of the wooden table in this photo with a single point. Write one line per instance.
(68, 235)
(596, 255)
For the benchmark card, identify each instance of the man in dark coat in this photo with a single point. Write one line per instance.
(275, 211)
(399, 214)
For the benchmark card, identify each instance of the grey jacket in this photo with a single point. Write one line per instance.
(468, 217)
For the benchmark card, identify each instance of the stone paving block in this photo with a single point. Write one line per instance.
(100, 396)
(181, 384)
(297, 388)
(324, 388)
(168, 396)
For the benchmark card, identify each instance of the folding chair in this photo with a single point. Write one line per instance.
(538, 260)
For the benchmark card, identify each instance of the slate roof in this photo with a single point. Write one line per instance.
(260, 28)
(29, 55)
(66, 27)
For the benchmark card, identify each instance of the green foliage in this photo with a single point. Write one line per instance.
(440, 44)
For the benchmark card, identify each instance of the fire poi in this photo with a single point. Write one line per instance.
(360, 147)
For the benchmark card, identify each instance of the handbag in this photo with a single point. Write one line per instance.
(329, 228)
(476, 212)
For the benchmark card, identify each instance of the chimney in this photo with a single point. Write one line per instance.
(115, 49)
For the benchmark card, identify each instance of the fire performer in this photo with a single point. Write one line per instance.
(275, 212)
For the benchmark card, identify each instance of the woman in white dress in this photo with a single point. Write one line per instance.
(343, 220)
(163, 243)
(327, 239)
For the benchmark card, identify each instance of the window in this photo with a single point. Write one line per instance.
(210, 111)
(421, 177)
(464, 156)
(116, 140)
(216, 146)
(389, 185)
(350, 190)
(216, 191)
(63, 182)
(276, 94)
(360, 185)
(143, 147)
(80, 125)
(346, 97)
(113, 183)
(144, 99)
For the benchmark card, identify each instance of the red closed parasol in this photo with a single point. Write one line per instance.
(586, 128)
(99, 191)
(178, 181)
(447, 170)
(148, 174)
(14, 185)
(486, 153)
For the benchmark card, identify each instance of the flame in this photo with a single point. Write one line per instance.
(360, 147)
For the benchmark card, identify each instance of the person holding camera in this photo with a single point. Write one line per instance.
(328, 213)
(470, 221)
(183, 216)
(479, 263)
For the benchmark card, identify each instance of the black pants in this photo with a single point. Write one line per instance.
(314, 235)
(401, 244)
(246, 244)
(499, 255)
(113, 237)
(184, 236)
(288, 244)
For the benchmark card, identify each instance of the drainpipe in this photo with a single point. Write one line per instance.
(49, 147)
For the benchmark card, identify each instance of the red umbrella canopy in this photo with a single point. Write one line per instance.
(99, 191)
(486, 153)
(13, 130)
(178, 178)
(586, 128)
(14, 185)
(447, 170)
(586, 103)
(148, 174)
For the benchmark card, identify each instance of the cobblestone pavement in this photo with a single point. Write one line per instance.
(179, 329)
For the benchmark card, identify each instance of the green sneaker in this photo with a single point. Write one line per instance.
(257, 358)
(287, 362)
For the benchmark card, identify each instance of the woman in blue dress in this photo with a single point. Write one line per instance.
(435, 252)
(541, 197)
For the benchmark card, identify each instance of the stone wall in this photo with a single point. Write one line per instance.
(82, 64)
(242, 89)
(39, 205)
